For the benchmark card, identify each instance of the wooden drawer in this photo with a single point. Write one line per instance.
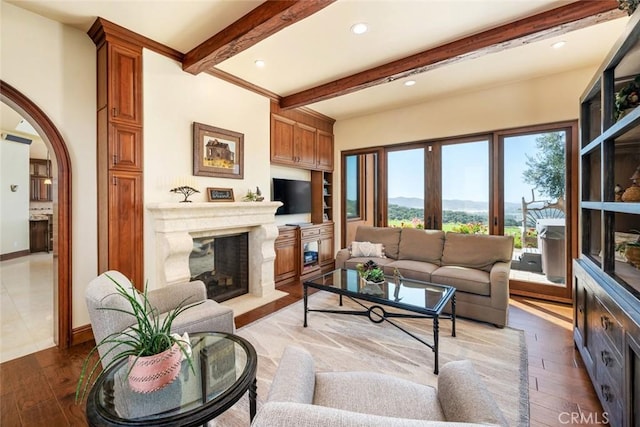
(608, 365)
(309, 232)
(606, 324)
(284, 234)
(611, 400)
(326, 229)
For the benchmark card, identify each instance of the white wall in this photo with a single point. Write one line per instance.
(173, 100)
(55, 67)
(544, 100)
(14, 206)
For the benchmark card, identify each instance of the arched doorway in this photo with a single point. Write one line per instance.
(62, 204)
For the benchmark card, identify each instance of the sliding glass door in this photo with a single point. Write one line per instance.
(520, 182)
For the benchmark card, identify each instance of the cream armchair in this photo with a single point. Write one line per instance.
(101, 293)
(301, 397)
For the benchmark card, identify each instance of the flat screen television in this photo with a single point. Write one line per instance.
(295, 196)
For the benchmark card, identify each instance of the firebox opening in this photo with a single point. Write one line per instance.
(221, 262)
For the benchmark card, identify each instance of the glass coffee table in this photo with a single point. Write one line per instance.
(224, 369)
(421, 299)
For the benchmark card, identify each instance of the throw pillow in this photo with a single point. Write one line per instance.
(367, 249)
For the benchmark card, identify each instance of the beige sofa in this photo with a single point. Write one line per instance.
(476, 265)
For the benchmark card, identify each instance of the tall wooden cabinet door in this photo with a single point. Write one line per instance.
(325, 151)
(285, 265)
(125, 147)
(305, 148)
(282, 140)
(125, 84)
(126, 225)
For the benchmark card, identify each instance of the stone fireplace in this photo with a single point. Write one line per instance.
(176, 225)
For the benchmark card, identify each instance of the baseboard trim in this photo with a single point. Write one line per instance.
(81, 335)
(13, 255)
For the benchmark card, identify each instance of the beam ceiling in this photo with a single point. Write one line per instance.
(263, 21)
(554, 22)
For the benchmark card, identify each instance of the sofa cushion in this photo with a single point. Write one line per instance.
(335, 390)
(421, 245)
(416, 270)
(352, 262)
(363, 249)
(463, 279)
(476, 250)
(388, 236)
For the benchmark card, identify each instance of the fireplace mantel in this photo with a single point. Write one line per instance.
(175, 225)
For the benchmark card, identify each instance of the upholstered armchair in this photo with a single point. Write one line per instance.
(205, 317)
(301, 397)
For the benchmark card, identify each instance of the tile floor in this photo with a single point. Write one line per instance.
(26, 305)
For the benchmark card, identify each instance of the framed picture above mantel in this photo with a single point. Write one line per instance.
(217, 152)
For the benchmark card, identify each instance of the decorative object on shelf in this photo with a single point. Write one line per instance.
(617, 192)
(627, 98)
(150, 335)
(254, 197)
(217, 152)
(632, 253)
(220, 194)
(632, 194)
(622, 240)
(628, 6)
(186, 191)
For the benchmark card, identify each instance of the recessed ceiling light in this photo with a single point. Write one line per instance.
(259, 63)
(558, 45)
(359, 28)
(409, 82)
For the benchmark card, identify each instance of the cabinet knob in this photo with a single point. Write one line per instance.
(606, 392)
(605, 322)
(115, 159)
(114, 112)
(606, 358)
(581, 309)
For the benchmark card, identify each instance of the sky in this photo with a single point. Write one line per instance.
(465, 171)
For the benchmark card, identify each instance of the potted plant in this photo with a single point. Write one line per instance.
(370, 272)
(148, 344)
(627, 98)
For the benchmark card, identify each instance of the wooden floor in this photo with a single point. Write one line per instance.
(38, 389)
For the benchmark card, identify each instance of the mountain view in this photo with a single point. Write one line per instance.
(453, 205)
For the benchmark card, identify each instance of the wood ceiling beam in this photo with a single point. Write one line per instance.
(573, 16)
(262, 22)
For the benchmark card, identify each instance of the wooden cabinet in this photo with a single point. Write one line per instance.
(124, 79)
(120, 152)
(39, 236)
(40, 181)
(303, 251)
(286, 247)
(606, 286)
(125, 222)
(293, 143)
(301, 140)
(326, 256)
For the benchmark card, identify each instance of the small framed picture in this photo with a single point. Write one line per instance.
(215, 194)
(217, 152)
